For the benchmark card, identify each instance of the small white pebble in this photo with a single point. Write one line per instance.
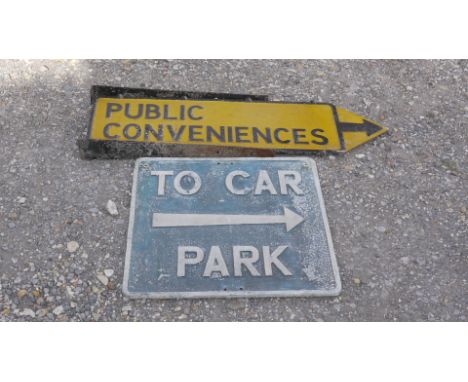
(58, 310)
(103, 279)
(72, 246)
(112, 208)
(108, 272)
(28, 312)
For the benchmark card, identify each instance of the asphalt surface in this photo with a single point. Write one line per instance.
(397, 206)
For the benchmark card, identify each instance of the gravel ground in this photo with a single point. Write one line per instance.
(397, 206)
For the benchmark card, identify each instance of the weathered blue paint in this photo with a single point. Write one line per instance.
(151, 261)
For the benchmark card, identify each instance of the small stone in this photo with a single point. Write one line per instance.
(360, 156)
(126, 308)
(28, 312)
(12, 215)
(72, 246)
(58, 310)
(380, 228)
(11, 225)
(36, 293)
(108, 272)
(357, 281)
(103, 279)
(84, 255)
(112, 208)
(42, 312)
(409, 88)
(57, 246)
(21, 200)
(21, 293)
(183, 316)
(73, 304)
(405, 260)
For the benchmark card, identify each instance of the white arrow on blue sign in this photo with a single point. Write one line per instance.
(289, 219)
(230, 227)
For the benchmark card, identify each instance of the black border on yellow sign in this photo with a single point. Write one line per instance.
(93, 149)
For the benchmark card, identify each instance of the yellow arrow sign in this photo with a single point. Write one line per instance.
(259, 125)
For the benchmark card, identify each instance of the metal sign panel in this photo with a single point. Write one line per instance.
(228, 227)
(259, 125)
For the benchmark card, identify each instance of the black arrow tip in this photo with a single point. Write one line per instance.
(370, 127)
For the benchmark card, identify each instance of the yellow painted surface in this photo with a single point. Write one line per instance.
(356, 138)
(347, 116)
(262, 125)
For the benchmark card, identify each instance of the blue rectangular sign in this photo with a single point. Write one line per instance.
(228, 227)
